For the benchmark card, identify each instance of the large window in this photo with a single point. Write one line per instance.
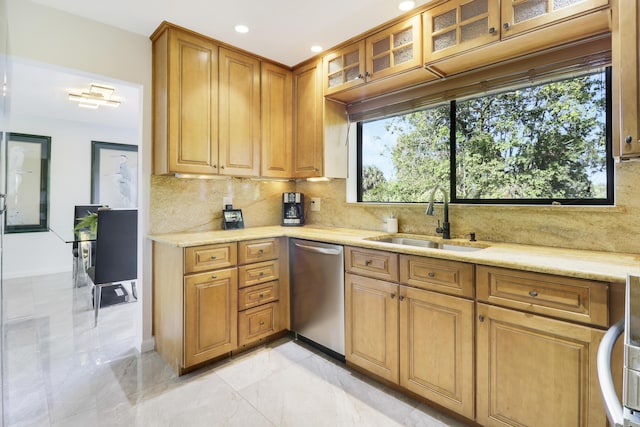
(541, 144)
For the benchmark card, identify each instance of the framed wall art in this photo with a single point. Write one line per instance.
(114, 174)
(28, 163)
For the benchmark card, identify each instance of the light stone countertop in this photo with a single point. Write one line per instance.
(594, 265)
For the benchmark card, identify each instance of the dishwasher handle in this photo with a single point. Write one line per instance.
(318, 250)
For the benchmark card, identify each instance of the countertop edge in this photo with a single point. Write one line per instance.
(584, 264)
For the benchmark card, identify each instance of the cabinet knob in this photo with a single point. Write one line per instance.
(213, 276)
(431, 274)
(506, 26)
(628, 139)
(492, 30)
(221, 167)
(260, 296)
(214, 257)
(533, 293)
(393, 295)
(368, 262)
(360, 77)
(401, 297)
(481, 318)
(261, 322)
(261, 274)
(215, 166)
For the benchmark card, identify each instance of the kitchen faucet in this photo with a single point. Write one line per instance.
(445, 230)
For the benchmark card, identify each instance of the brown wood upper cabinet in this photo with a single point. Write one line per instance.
(206, 106)
(459, 25)
(277, 128)
(385, 53)
(470, 26)
(239, 107)
(626, 79)
(307, 122)
(320, 127)
(185, 103)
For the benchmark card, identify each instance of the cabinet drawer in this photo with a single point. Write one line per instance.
(258, 295)
(209, 257)
(451, 277)
(563, 297)
(258, 250)
(261, 272)
(258, 322)
(372, 263)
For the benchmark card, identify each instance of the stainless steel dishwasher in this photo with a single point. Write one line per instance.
(317, 294)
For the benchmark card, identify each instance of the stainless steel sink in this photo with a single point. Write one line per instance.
(424, 243)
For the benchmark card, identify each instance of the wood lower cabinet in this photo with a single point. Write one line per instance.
(260, 313)
(210, 307)
(535, 371)
(436, 348)
(371, 307)
(195, 303)
(210, 300)
(419, 339)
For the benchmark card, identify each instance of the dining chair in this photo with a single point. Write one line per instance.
(116, 256)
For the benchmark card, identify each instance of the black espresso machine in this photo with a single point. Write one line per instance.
(292, 209)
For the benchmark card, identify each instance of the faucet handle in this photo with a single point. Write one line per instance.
(439, 229)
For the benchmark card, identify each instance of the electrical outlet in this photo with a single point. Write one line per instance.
(315, 204)
(227, 200)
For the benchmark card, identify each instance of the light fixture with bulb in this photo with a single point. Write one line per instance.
(406, 5)
(96, 96)
(241, 29)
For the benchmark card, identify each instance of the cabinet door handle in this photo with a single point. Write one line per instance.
(481, 317)
(261, 274)
(261, 322)
(506, 26)
(431, 274)
(368, 262)
(213, 276)
(401, 298)
(628, 139)
(261, 251)
(260, 296)
(215, 166)
(393, 295)
(533, 293)
(492, 30)
(214, 257)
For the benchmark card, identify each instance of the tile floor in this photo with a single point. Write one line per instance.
(60, 371)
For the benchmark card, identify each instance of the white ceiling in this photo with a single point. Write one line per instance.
(281, 30)
(42, 91)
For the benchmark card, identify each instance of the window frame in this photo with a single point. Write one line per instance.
(609, 200)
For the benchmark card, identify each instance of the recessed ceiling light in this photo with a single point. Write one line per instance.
(316, 48)
(242, 28)
(406, 5)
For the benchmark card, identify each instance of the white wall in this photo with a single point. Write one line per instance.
(46, 35)
(28, 254)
